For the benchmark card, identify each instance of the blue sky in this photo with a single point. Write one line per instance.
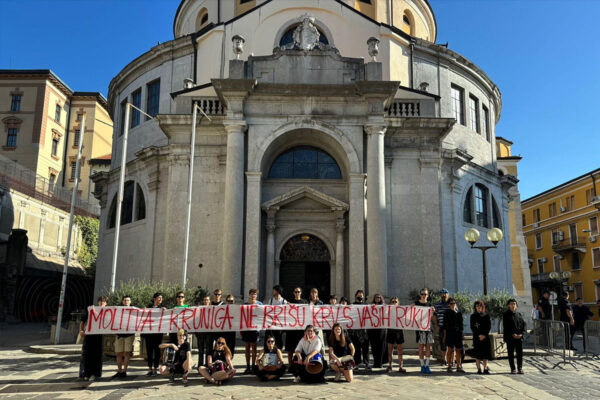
(543, 55)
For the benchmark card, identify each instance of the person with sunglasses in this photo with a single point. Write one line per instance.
(481, 325)
(204, 340)
(218, 361)
(293, 336)
(182, 362)
(377, 337)
(394, 337)
(270, 361)
(230, 336)
(424, 338)
(453, 335)
(180, 299)
(250, 338)
(360, 337)
(340, 346)
(153, 340)
(308, 347)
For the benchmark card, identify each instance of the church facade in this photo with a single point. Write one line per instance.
(343, 149)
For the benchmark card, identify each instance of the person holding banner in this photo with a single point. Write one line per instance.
(424, 338)
(180, 298)
(359, 337)
(182, 358)
(308, 365)
(343, 301)
(250, 338)
(219, 367)
(377, 337)
(293, 336)
(230, 335)
(313, 298)
(276, 300)
(92, 351)
(270, 361)
(123, 346)
(341, 353)
(204, 340)
(394, 337)
(153, 340)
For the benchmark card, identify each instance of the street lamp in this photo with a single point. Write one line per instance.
(494, 235)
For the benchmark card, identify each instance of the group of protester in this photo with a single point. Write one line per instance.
(348, 350)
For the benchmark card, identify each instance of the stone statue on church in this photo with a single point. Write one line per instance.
(306, 36)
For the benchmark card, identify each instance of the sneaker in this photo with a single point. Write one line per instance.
(422, 369)
(449, 369)
(172, 378)
(388, 369)
(123, 375)
(513, 372)
(479, 372)
(486, 371)
(117, 375)
(520, 372)
(155, 372)
(369, 368)
(150, 373)
(460, 370)
(427, 370)
(92, 378)
(185, 380)
(297, 379)
(247, 371)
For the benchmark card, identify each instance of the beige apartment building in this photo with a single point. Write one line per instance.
(42, 117)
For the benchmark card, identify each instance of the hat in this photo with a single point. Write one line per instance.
(444, 291)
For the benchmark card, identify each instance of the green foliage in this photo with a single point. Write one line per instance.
(88, 252)
(141, 293)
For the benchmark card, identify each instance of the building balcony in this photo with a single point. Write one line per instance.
(411, 108)
(567, 245)
(550, 277)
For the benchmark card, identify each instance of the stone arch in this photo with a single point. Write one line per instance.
(410, 26)
(288, 24)
(324, 136)
(201, 18)
(309, 231)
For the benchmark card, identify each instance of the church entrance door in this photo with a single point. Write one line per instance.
(305, 262)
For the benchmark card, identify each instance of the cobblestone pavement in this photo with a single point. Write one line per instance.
(25, 375)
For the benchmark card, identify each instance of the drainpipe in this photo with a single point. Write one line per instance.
(68, 126)
(195, 44)
(412, 63)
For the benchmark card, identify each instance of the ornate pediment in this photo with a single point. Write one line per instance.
(305, 197)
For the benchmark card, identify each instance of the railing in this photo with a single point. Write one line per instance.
(591, 338)
(568, 244)
(554, 337)
(27, 182)
(211, 105)
(411, 108)
(543, 277)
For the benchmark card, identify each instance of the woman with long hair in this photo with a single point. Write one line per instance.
(218, 361)
(250, 338)
(204, 340)
(377, 337)
(481, 325)
(270, 361)
(339, 347)
(394, 337)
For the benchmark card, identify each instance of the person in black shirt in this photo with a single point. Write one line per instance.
(204, 340)
(452, 335)
(394, 337)
(340, 346)
(220, 356)
(270, 361)
(292, 337)
(153, 340)
(481, 325)
(92, 351)
(360, 337)
(581, 314)
(564, 309)
(425, 338)
(377, 337)
(182, 362)
(544, 306)
(514, 329)
(230, 336)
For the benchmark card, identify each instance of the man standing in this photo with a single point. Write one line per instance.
(123, 347)
(564, 308)
(360, 337)
(441, 307)
(581, 314)
(544, 306)
(276, 300)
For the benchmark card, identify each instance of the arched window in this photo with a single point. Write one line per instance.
(496, 219)
(202, 19)
(288, 36)
(481, 205)
(478, 202)
(407, 23)
(129, 213)
(468, 209)
(305, 163)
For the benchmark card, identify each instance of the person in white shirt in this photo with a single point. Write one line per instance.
(308, 347)
(276, 300)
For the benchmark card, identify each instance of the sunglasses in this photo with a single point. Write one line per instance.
(230, 301)
(181, 297)
(218, 294)
(221, 343)
(455, 304)
(297, 291)
(270, 341)
(423, 294)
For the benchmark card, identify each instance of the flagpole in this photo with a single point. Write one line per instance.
(63, 284)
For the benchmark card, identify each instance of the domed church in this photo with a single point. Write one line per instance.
(341, 149)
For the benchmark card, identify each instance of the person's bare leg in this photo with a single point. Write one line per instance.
(163, 370)
(399, 350)
(119, 362)
(348, 375)
(126, 358)
(253, 354)
(390, 355)
(477, 362)
(205, 374)
(458, 358)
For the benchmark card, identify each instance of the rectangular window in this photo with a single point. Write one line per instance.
(597, 290)
(573, 233)
(536, 215)
(596, 257)
(524, 222)
(554, 236)
(570, 203)
(76, 137)
(556, 261)
(123, 108)
(594, 225)
(57, 113)
(153, 98)
(538, 240)
(15, 104)
(578, 290)
(474, 113)
(576, 260)
(589, 195)
(481, 209)
(486, 123)
(136, 100)
(540, 265)
(78, 117)
(11, 140)
(54, 146)
(552, 210)
(73, 169)
(52, 181)
(458, 95)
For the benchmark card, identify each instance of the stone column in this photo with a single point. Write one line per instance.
(356, 238)
(376, 210)
(253, 233)
(340, 227)
(270, 264)
(233, 210)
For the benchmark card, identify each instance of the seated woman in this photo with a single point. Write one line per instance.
(340, 346)
(307, 357)
(270, 361)
(181, 360)
(218, 366)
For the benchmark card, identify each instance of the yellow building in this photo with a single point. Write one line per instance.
(42, 126)
(563, 241)
(507, 165)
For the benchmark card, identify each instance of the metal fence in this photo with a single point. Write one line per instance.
(554, 337)
(591, 338)
(27, 182)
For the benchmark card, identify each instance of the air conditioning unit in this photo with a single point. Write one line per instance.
(544, 259)
(563, 209)
(595, 199)
(593, 238)
(536, 224)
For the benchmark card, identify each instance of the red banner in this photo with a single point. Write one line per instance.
(113, 320)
